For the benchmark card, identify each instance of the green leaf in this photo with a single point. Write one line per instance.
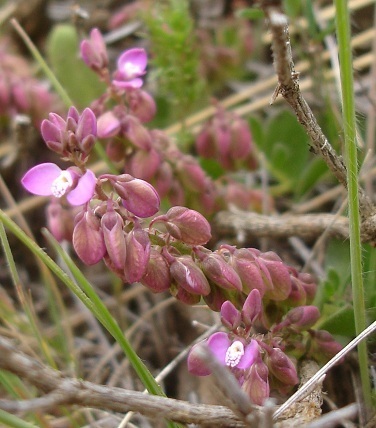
(310, 176)
(338, 321)
(250, 13)
(286, 148)
(81, 83)
(292, 7)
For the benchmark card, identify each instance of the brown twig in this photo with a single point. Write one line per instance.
(308, 226)
(288, 87)
(64, 390)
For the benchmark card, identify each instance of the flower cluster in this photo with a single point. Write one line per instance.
(259, 361)
(264, 304)
(151, 155)
(20, 92)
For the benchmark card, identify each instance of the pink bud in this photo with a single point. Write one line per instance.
(309, 285)
(252, 308)
(113, 233)
(136, 133)
(144, 164)
(60, 221)
(93, 51)
(241, 139)
(282, 367)
(157, 275)
(139, 197)
(189, 276)
(216, 298)
(303, 317)
(230, 316)
(323, 346)
(297, 294)
(141, 104)
(185, 297)
(163, 179)
(280, 276)
(186, 225)
(256, 383)
(248, 269)
(88, 240)
(218, 271)
(191, 174)
(138, 253)
(115, 150)
(108, 125)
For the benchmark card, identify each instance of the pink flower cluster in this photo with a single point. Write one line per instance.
(104, 217)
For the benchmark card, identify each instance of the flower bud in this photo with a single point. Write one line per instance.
(138, 253)
(88, 240)
(114, 238)
(252, 308)
(136, 133)
(144, 164)
(248, 269)
(185, 297)
(60, 221)
(303, 317)
(163, 179)
(141, 104)
(297, 294)
(230, 316)
(186, 225)
(108, 125)
(309, 285)
(191, 175)
(256, 383)
(139, 197)
(280, 276)
(115, 150)
(93, 51)
(189, 276)
(323, 346)
(218, 271)
(157, 274)
(282, 367)
(241, 139)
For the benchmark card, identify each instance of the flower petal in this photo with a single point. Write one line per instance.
(136, 57)
(251, 352)
(219, 343)
(38, 180)
(134, 83)
(84, 189)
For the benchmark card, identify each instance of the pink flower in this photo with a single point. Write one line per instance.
(235, 354)
(47, 179)
(130, 66)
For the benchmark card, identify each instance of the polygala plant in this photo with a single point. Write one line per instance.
(265, 305)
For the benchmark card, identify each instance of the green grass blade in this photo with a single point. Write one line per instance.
(348, 113)
(90, 299)
(9, 420)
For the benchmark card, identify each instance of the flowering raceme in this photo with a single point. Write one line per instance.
(265, 305)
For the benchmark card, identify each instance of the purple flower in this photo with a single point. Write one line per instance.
(235, 354)
(130, 66)
(47, 179)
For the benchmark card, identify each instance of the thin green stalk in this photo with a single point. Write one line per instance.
(85, 292)
(23, 299)
(348, 113)
(9, 420)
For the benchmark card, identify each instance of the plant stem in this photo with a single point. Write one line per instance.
(350, 152)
